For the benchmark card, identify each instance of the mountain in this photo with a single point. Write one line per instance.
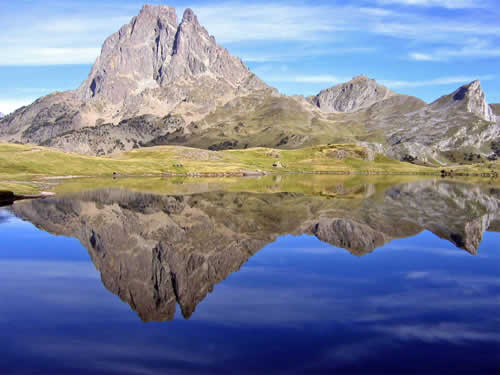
(157, 251)
(159, 81)
(152, 66)
(156, 64)
(469, 98)
(447, 129)
(361, 92)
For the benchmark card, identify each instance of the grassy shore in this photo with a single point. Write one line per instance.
(22, 165)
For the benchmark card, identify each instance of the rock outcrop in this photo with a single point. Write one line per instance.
(469, 98)
(359, 93)
(446, 129)
(155, 63)
(496, 109)
(157, 251)
(152, 66)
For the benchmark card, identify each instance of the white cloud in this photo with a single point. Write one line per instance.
(332, 79)
(270, 22)
(10, 105)
(434, 30)
(448, 332)
(45, 36)
(442, 81)
(421, 56)
(48, 56)
(450, 4)
(294, 54)
(467, 51)
(329, 22)
(322, 78)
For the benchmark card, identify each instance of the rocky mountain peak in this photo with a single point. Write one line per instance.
(189, 16)
(470, 98)
(130, 58)
(149, 12)
(154, 61)
(361, 78)
(360, 92)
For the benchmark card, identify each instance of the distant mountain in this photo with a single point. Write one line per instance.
(448, 128)
(359, 93)
(469, 98)
(158, 81)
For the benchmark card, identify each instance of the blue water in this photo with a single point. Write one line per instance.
(416, 305)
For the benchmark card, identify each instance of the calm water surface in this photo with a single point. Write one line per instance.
(355, 279)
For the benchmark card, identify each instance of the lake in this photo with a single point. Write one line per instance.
(311, 274)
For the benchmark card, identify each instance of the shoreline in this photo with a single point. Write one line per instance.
(12, 190)
(9, 197)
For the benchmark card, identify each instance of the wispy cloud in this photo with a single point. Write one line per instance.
(48, 56)
(449, 4)
(474, 48)
(325, 78)
(45, 36)
(332, 79)
(454, 333)
(10, 105)
(442, 81)
(291, 54)
(418, 56)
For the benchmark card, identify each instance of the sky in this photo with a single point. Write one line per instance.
(425, 48)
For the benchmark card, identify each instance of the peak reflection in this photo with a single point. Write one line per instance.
(157, 251)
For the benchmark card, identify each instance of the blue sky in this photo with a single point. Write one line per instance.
(425, 48)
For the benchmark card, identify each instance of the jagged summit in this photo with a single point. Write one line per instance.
(130, 57)
(189, 16)
(470, 98)
(153, 66)
(153, 58)
(360, 92)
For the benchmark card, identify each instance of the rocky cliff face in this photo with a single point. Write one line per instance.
(157, 251)
(156, 63)
(469, 98)
(446, 128)
(359, 93)
(152, 66)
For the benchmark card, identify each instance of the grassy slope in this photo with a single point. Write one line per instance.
(257, 120)
(25, 164)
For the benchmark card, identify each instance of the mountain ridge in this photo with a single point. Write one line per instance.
(158, 82)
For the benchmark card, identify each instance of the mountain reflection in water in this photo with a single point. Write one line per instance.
(157, 251)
